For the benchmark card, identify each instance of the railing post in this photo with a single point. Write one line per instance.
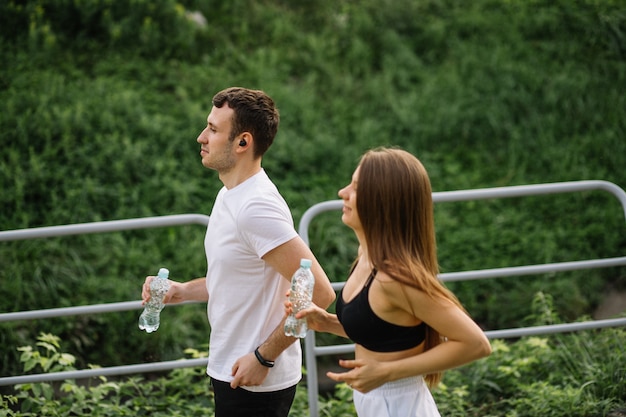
(310, 354)
(312, 380)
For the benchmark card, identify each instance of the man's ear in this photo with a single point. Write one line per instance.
(245, 139)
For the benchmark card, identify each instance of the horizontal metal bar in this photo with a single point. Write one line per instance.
(78, 310)
(104, 226)
(70, 311)
(482, 194)
(533, 189)
(448, 277)
(555, 328)
(522, 270)
(334, 349)
(532, 269)
(505, 333)
(111, 371)
(319, 351)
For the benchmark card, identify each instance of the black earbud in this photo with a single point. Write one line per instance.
(243, 142)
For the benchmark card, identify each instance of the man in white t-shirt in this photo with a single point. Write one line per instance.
(252, 251)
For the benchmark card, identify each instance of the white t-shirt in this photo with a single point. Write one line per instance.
(246, 295)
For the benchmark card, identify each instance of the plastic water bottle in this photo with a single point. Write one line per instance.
(150, 317)
(302, 284)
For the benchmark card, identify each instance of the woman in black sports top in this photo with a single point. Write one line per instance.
(407, 327)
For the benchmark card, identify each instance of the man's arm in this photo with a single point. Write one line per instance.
(194, 290)
(286, 260)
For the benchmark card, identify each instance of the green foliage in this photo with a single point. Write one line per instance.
(101, 102)
(578, 374)
(51, 360)
(571, 375)
(182, 392)
(142, 27)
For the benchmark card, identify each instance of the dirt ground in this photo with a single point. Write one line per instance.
(613, 305)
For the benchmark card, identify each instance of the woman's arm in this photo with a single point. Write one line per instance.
(319, 320)
(465, 342)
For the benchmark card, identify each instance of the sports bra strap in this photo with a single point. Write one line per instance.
(370, 278)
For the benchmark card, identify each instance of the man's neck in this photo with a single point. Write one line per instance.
(238, 175)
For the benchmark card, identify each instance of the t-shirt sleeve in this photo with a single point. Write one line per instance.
(265, 224)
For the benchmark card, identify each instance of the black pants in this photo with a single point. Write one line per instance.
(239, 402)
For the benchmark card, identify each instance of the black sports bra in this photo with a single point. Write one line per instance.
(365, 328)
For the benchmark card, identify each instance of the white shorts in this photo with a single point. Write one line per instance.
(409, 397)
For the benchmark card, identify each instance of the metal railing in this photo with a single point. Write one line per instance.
(312, 351)
(87, 228)
(107, 226)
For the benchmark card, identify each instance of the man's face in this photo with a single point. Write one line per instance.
(216, 149)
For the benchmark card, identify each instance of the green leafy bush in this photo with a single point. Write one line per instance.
(577, 374)
(580, 374)
(146, 28)
(183, 392)
(101, 103)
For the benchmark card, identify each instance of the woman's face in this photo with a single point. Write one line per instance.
(350, 216)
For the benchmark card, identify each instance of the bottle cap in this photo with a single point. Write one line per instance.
(305, 263)
(163, 273)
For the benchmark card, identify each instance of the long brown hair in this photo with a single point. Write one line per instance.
(395, 206)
